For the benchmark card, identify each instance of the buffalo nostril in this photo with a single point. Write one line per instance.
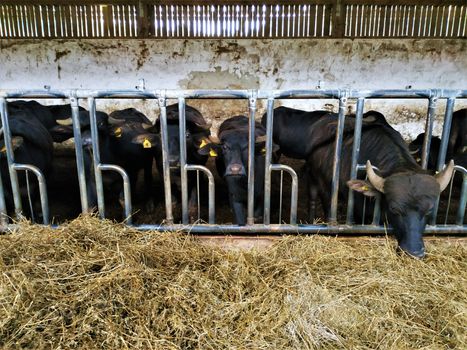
(418, 254)
(235, 169)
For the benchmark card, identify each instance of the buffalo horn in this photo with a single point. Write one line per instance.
(445, 175)
(65, 122)
(206, 126)
(115, 121)
(260, 139)
(146, 126)
(376, 180)
(214, 139)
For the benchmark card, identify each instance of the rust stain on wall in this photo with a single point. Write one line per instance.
(60, 53)
(143, 55)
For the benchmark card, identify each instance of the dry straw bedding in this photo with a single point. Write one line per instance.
(99, 285)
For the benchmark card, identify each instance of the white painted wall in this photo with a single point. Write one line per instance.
(245, 64)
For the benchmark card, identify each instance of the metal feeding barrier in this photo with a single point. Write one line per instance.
(252, 97)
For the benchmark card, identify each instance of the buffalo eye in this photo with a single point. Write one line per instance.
(187, 135)
(225, 147)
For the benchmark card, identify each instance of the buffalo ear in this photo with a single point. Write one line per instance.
(260, 147)
(209, 149)
(146, 140)
(362, 186)
(116, 131)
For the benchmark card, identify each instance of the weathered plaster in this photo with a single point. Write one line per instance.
(242, 64)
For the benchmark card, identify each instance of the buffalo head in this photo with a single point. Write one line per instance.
(409, 198)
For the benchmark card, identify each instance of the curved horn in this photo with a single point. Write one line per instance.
(445, 175)
(65, 122)
(261, 138)
(146, 126)
(214, 139)
(115, 121)
(376, 180)
(415, 151)
(206, 126)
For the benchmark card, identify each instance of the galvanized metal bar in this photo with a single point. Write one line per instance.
(126, 188)
(3, 209)
(377, 206)
(428, 130)
(183, 170)
(444, 147)
(165, 160)
(355, 154)
(337, 160)
(96, 156)
(251, 159)
(445, 134)
(79, 154)
(211, 190)
(239, 94)
(42, 189)
(463, 196)
(10, 158)
(33, 93)
(267, 162)
(377, 211)
(301, 229)
(293, 190)
(280, 196)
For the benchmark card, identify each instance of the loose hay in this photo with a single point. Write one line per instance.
(95, 284)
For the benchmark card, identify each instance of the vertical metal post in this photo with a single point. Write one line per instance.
(337, 160)
(3, 210)
(355, 154)
(446, 132)
(463, 201)
(183, 171)
(96, 155)
(79, 154)
(251, 159)
(10, 158)
(377, 211)
(267, 162)
(428, 131)
(444, 147)
(165, 159)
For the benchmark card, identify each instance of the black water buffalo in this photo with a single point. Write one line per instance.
(33, 145)
(197, 134)
(46, 115)
(292, 126)
(117, 134)
(457, 142)
(232, 164)
(408, 192)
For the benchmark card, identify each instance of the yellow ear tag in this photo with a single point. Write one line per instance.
(147, 143)
(263, 151)
(118, 132)
(203, 143)
(212, 153)
(365, 188)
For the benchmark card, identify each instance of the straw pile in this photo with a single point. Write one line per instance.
(94, 284)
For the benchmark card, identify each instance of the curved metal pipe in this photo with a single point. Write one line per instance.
(42, 188)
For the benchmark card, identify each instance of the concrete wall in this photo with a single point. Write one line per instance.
(242, 64)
